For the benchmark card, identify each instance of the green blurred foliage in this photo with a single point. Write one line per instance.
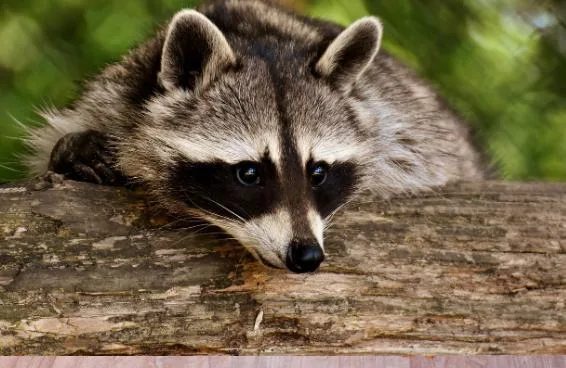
(500, 63)
(51, 46)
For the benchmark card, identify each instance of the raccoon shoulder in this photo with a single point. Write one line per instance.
(420, 142)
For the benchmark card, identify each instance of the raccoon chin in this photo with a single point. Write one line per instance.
(262, 258)
(265, 262)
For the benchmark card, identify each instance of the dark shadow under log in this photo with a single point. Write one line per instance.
(477, 268)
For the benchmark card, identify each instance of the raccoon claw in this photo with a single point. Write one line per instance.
(99, 173)
(105, 172)
(85, 156)
(83, 172)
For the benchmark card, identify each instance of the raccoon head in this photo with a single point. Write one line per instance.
(257, 137)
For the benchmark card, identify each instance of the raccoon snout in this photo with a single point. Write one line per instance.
(304, 256)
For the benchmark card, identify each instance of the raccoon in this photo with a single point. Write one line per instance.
(260, 121)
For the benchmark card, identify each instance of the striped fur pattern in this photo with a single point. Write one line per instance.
(245, 81)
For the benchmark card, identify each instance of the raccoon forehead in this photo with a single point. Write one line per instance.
(226, 147)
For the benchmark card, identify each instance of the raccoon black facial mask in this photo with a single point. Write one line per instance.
(260, 121)
(214, 187)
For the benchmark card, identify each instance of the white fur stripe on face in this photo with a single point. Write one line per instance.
(329, 149)
(317, 226)
(203, 149)
(224, 147)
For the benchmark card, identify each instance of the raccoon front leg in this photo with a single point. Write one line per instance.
(86, 156)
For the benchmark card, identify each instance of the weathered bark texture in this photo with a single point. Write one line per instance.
(474, 268)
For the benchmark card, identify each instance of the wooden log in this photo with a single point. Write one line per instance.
(476, 268)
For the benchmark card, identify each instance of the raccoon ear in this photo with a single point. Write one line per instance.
(195, 52)
(351, 52)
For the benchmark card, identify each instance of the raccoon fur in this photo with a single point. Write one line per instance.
(260, 121)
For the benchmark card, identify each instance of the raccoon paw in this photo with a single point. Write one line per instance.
(86, 156)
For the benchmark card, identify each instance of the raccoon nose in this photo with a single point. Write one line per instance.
(304, 256)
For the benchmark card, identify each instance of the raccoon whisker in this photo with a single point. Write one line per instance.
(220, 216)
(220, 240)
(215, 233)
(182, 239)
(182, 219)
(199, 227)
(10, 168)
(206, 227)
(24, 127)
(225, 208)
(191, 229)
(18, 139)
(329, 218)
(243, 210)
(242, 238)
(215, 242)
(216, 215)
(213, 214)
(238, 217)
(233, 238)
(208, 241)
(188, 196)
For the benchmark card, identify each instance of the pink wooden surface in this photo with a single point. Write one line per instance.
(286, 362)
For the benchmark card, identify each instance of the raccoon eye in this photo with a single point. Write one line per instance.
(248, 174)
(318, 173)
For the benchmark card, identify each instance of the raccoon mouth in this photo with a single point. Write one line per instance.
(266, 262)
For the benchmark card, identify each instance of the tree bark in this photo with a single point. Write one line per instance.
(475, 268)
